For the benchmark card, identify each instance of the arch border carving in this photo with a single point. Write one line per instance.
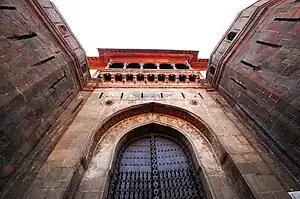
(162, 109)
(73, 152)
(203, 156)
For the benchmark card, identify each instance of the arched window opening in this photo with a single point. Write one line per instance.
(231, 35)
(151, 78)
(107, 77)
(118, 77)
(181, 78)
(212, 70)
(181, 66)
(150, 162)
(165, 66)
(161, 78)
(172, 78)
(84, 68)
(133, 66)
(149, 66)
(129, 77)
(140, 77)
(116, 65)
(63, 30)
(192, 78)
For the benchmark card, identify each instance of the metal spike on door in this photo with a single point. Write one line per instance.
(154, 167)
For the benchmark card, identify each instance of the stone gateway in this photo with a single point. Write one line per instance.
(154, 166)
(144, 123)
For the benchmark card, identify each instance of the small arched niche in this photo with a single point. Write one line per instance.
(118, 77)
(129, 77)
(107, 77)
(182, 78)
(212, 70)
(150, 78)
(192, 78)
(63, 30)
(161, 77)
(172, 78)
(140, 77)
(231, 35)
(147, 161)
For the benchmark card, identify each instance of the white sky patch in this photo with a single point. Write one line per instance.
(150, 24)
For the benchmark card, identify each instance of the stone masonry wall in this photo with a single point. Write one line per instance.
(105, 109)
(38, 79)
(259, 76)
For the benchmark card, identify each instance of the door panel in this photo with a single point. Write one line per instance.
(154, 166)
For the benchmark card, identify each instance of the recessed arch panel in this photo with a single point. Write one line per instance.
(154, 163)
(164, 109)
(121, 128)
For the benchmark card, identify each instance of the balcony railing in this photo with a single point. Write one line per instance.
(148, 78)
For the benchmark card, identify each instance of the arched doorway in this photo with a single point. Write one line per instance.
(154, 163)
(125, 127)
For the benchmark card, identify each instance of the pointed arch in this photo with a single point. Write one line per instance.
(153, 155)
(115, 131)
(154, 107)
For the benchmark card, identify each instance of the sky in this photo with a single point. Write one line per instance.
(150, 24)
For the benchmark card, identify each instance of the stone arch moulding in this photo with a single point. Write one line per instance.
(104, 157)
(233, 152)
(165, 109)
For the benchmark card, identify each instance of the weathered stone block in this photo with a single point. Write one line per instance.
(27, 101)
(269, 101)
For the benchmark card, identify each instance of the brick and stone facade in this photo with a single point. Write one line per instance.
(147, 68)
(255, 67)
(43, 68)
(61, 129)
(82, 159)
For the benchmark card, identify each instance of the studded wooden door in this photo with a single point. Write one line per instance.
(153, 167)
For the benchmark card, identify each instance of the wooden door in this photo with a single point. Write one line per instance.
(154, 166)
